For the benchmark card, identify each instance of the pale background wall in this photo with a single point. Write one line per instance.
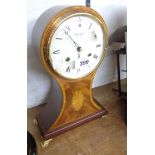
(39, 83)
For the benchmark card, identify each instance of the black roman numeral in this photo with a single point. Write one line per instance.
(79, 19)
(99, 45)
(68, 69)
(68, 28)
(58, 38)
(95, 56)
(56, 52)
(90, 25)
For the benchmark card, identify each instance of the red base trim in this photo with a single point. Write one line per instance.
(69, 126)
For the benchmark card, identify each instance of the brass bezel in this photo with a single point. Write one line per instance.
(54, 24)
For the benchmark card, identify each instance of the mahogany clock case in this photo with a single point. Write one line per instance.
(71, 103)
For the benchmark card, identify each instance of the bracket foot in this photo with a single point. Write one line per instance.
(45, 143)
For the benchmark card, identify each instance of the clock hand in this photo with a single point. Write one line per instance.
(78, 47)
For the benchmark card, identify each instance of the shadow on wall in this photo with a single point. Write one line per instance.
(38, 81)
(34, 62)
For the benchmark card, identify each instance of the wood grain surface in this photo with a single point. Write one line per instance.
(103, 136)
(78, 107)
(76, 94)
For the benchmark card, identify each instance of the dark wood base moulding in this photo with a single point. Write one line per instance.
(69, 126)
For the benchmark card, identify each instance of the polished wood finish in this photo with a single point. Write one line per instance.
(106, 136)
(71, 103)
(76, 104)
(57, 131)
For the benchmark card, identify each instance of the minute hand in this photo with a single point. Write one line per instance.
(71, 39)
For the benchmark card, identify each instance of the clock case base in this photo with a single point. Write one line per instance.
(71, 125)
(70, 105)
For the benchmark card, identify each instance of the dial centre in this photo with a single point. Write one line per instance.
(67, 59)
(79, 49)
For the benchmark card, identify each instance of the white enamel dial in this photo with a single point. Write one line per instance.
(77, 46)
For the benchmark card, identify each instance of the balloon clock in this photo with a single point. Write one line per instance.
(72, 42)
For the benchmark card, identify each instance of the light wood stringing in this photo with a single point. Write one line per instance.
(77, 93)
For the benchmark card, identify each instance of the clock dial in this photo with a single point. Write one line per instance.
(76, 47)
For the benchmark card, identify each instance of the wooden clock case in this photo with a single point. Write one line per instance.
(71, 103)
